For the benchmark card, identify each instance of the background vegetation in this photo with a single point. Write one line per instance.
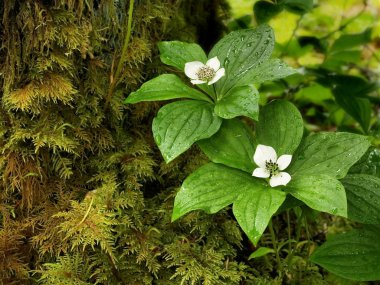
(85, 195)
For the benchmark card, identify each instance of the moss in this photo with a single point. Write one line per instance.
(85, 197)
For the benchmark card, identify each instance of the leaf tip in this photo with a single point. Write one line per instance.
(176, 214)
(130, 99)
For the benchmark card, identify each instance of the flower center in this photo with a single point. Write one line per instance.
(206, 73)
(272, 167)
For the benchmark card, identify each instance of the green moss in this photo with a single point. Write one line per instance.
(85, 197)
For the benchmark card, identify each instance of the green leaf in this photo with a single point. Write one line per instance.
(349, 41)
(298, 6)
(264, 11)
(214, 186)
(354, 255)
(270, 70)
(165, 87)
(178, 125)
(240, 101)
(328, 153)
(363, 196)
(211, 188)
(368, 164)
(232, 145)
(240, 23)
(319, 192)
(175, 53)
(350, 93)
(315, 93)
(289, 203)
(254, 209)
(261, 251)
(354, 85)
(359, 108)
(280, 126)
(336, 60)
(240, 52)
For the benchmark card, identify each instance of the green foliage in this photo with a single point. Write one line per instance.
(317, 163)
(363, 198)
(83, 197)
(261, 251)
(265, 10)
(177, 53)
(239, 101)
(280, 126)
(254, 202)
(180, 124)
(68, 270)
(165, 87)
(338, 58)
(352, 255)
(329, 153)
(241, 55)
(320, 192)
(232, 145)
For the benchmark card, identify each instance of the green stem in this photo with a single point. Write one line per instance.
(126, 41)
(275, 247)
(115, 78)
(289, 234)
(308, 238)
(298, 234)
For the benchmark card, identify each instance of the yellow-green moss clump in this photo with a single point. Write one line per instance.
(85, 197)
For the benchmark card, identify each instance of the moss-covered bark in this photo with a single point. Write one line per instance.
(85, 197)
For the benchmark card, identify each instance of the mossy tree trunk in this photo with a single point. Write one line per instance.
(85, 196)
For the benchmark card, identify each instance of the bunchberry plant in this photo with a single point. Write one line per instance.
(223, 89)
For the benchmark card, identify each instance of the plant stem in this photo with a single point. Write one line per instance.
(115, 78)
(289, 234)
(126, 42)
(275, 247)
(298, 234)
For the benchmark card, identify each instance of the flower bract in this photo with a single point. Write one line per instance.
(269, 166)
(200, 73)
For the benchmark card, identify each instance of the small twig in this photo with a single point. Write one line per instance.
(87, 212)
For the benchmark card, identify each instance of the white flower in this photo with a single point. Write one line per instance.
(269, 166)
(200, 73)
